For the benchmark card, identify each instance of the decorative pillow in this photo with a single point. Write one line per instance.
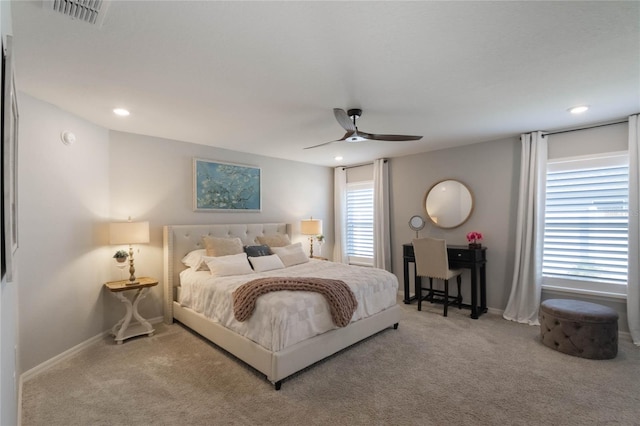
(234, 264)
(222, 246)
(291, 254)
(193, 259)
(266, 263)
(275, 240)
(257, 251)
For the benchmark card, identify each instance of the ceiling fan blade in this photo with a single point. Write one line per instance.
(346, 135)
(344, 120)
(319, 145)
(391, 138)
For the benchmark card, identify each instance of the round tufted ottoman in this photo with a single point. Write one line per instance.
(583, 329)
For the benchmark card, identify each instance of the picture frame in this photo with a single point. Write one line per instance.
(10, 119)
(225, 187)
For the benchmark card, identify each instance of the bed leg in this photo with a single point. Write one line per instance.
(277, 385)
(395, 326)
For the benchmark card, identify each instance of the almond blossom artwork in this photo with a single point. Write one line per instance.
(225, 186)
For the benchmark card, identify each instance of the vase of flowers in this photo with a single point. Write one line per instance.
(473, 238)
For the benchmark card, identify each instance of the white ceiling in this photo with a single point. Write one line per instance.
(263, 77)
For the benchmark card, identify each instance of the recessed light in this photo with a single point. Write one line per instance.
(121, 112)
(578, 109)
(338, 158)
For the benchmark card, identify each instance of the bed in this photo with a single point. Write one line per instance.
(281, 356)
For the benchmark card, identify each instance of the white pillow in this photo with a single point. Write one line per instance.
(193, 259)
(222, 246)
(234, 264)
(291, 254)
(274, 240)
(266, 263)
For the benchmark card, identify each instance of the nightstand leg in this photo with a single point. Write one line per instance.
(120, 329)
(122, 325)
(139, 296)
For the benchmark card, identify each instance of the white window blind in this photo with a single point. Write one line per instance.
(360, 223)
(586, 228)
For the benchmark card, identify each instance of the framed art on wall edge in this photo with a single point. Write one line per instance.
(9, 161)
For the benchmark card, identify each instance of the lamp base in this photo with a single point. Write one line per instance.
(133, 282)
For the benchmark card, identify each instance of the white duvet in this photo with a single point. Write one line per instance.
(284, 318)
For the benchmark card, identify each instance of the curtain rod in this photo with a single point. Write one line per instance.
(360, 165)
(584, 128)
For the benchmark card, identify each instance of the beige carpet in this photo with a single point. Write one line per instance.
(431, 371)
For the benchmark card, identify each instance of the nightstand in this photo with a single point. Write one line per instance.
(124, 329)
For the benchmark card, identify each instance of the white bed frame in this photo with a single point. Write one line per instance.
(181, 239)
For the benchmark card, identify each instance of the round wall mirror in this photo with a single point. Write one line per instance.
(416, 223)
(448, 203)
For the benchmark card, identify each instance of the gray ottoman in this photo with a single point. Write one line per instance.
(583, 329)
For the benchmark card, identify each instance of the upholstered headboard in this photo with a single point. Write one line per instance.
(181, 239)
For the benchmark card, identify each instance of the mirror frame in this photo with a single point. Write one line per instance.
(426, 196)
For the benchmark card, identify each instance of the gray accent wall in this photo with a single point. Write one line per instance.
(491, 171)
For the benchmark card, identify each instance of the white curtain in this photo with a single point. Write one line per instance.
(524, 299)
(381, 237)
(340, 215)
(633, 286)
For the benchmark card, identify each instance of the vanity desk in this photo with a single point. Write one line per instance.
(460, 257)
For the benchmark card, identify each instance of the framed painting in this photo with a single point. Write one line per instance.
(226, 187)
(9, 161)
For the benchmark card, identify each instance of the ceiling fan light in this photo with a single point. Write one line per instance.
(355, 139)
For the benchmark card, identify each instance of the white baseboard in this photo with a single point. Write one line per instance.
(41, 368)
(495, 311)
(33, 372)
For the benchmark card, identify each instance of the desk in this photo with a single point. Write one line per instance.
(460, 257)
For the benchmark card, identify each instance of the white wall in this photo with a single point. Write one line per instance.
(152, 179)
(69, 194)
(8, 304)
(63, 200)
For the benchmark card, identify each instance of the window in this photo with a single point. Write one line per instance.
(586, 229)
(360, 223)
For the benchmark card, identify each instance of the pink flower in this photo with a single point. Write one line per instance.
(474, 237)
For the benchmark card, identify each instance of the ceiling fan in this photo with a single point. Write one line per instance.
(348, 121)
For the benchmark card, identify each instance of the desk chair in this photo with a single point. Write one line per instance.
(432, 261)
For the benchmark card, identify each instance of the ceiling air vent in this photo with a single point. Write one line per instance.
(90, 11)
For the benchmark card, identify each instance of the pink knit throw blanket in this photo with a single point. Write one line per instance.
(342, 301)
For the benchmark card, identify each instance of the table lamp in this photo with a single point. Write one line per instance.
(129, 233)
(311, 227)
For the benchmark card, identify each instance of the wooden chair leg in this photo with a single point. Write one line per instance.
(419, 295)
(446, 296)
(459, 279)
